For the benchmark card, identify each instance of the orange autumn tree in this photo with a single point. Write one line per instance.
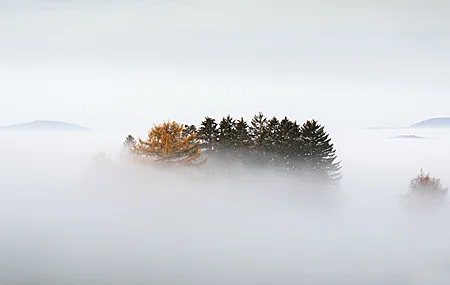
(169, 144)
(423, 188)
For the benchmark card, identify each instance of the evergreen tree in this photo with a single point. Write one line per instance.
(242, 137)
(130, 142)
(289, 144)
(274, 138)
(227, 134)
(208, 134)
(259, 132)
(319, 154)
(166, 144)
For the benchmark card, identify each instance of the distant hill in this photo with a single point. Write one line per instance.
(42, 125)
(382, 128)
(434, 123)
(408, 137)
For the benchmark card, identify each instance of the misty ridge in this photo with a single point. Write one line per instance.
(72, 215)
(45, 125)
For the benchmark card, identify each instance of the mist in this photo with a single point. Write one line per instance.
(67, 220)
(118, 67)
(340, 62)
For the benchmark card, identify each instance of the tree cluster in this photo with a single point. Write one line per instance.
(283, 145)
(280, 144)
(263, 143)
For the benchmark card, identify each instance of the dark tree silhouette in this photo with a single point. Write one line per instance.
(318, 152)
(259, 133)
(227, 134)
(280, 144)
(273, 141)
(274, 134)
(208, 134)
(289, 145)
(130, 142)
(242, 138)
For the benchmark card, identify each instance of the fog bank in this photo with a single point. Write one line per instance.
(67, 221)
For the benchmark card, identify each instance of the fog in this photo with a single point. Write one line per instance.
(66, 220)
(326, 58)
(120, 66)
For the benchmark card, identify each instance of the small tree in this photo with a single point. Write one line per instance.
(130, 142)
(424, 188)
(167, 144)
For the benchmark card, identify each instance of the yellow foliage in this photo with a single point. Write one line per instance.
(424, 185)
(167, 144)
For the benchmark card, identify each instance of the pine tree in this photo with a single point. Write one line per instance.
(274, 138)
(166, 144)
(227, 134)
(259, 132)
(289, 144)
(130, 142)
(319, 154)
(242, 138)
(208, 134)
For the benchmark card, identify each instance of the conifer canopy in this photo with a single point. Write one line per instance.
(282, 145)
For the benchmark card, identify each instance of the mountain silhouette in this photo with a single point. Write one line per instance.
(44, 125)
(408, 137)
(433, 123)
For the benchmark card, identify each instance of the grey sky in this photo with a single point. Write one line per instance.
(136, 63)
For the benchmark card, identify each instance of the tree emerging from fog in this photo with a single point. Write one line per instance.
(208, 134)
(130, 142)
(279, 145)
(318, 152)
(170, 143)
(426, 189)
(272, 143)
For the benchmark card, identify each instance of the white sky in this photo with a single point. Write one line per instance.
(131, 64)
